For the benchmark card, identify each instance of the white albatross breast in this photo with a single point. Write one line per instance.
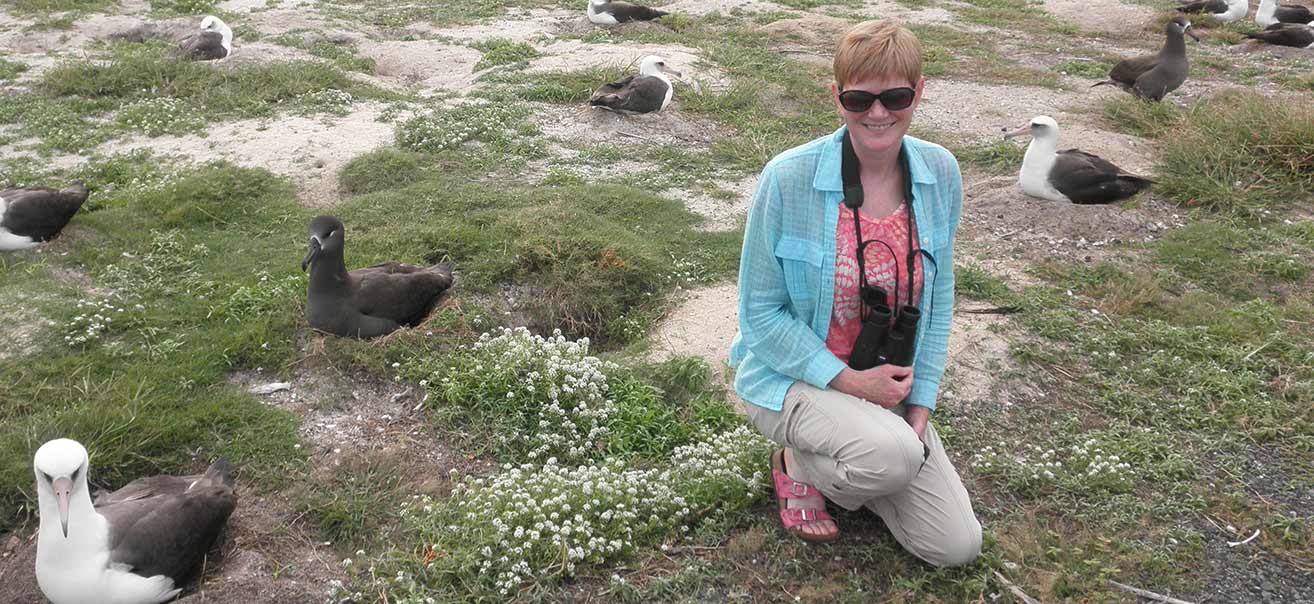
(137, 545)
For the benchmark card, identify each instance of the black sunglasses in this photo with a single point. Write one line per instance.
(894, 99)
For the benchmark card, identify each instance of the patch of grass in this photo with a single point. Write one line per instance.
(380, 170)
(10, 69)
(1084, 69)
(354, 502)
(1242, 154)
(1000, 158)
(498, 51)
(564, 86)
(38, 7)
(811, 4)
(953, 52)
(344, 57)
(182, 7)
(1133, 116)
(255, 90)
(146, 390)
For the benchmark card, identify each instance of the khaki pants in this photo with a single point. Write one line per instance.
(860, 454)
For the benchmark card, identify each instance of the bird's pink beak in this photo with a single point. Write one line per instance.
(1019, 132)
(63, 490)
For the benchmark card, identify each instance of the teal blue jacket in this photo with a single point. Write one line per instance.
(787, 270)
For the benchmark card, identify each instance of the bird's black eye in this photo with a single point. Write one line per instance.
(74, 476)
(47, 477)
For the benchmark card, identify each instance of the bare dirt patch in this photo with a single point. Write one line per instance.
(973, 112)
(703, 325)
(977, 372)
(721, 214)
(309, 150)
(422, 64)
(725, 7)
(283, 20)
(1099, 15)
(1014, 230)
(541, 25)
(583, 124)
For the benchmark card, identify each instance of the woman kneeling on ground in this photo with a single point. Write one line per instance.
(856, 437)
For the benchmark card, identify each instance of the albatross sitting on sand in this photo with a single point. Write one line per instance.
(613, 12)
(1151, 77)
(366, 302)
(214, 41)
(1223, 10)
(1071, 175)
(137, 545)
(1271, 12)
(30, 216)
(647, 92)
(1286, 34)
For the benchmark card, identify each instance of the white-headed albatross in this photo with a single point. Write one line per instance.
(137, 545)
(1223, 10)
(30, 216)
(1151, 77)
(213, 41)
(1071, 175)
(1286, 34)
(1271, 12)
(647, 92)
(613, 12)
(366, 302)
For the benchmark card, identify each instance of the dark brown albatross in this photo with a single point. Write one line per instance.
(367, 302)
(1151, 77)
(138, 545)
(30, 216)
(1286, 34)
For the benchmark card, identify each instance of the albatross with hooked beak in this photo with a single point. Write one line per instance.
(1071, 175)
(648, 92)
(137, 545)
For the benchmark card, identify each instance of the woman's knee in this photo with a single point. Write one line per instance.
(960, 548)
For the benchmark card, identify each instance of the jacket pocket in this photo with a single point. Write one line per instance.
(801, 262)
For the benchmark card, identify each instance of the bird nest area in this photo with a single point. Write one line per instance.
(553, 418)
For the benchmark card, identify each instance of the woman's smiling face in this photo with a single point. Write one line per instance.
(878, 129)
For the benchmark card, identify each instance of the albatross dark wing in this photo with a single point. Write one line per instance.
(204, 46)
(160, 526)
(1204, 6)
(398, 292)
(626, 12)
(642, 94)
(1090, 179)
(41, 213)
(1286, 34)
(1293, 13)
(1127, 70)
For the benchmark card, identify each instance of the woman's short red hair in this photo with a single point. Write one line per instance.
(878, 49)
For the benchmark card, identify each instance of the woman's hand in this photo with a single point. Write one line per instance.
(886, 385)
(917, 417)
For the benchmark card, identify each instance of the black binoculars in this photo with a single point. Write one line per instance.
(885, 337)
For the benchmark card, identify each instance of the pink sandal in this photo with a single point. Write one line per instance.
(793, 519)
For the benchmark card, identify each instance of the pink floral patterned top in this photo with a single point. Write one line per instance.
(882, 270)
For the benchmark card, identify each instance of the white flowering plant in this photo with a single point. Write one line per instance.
(449, 128)
(527, 396)
(95, 317)
(532, 522)
(159, 116)
(333, 101)
(268, 294)
(1085, 467)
